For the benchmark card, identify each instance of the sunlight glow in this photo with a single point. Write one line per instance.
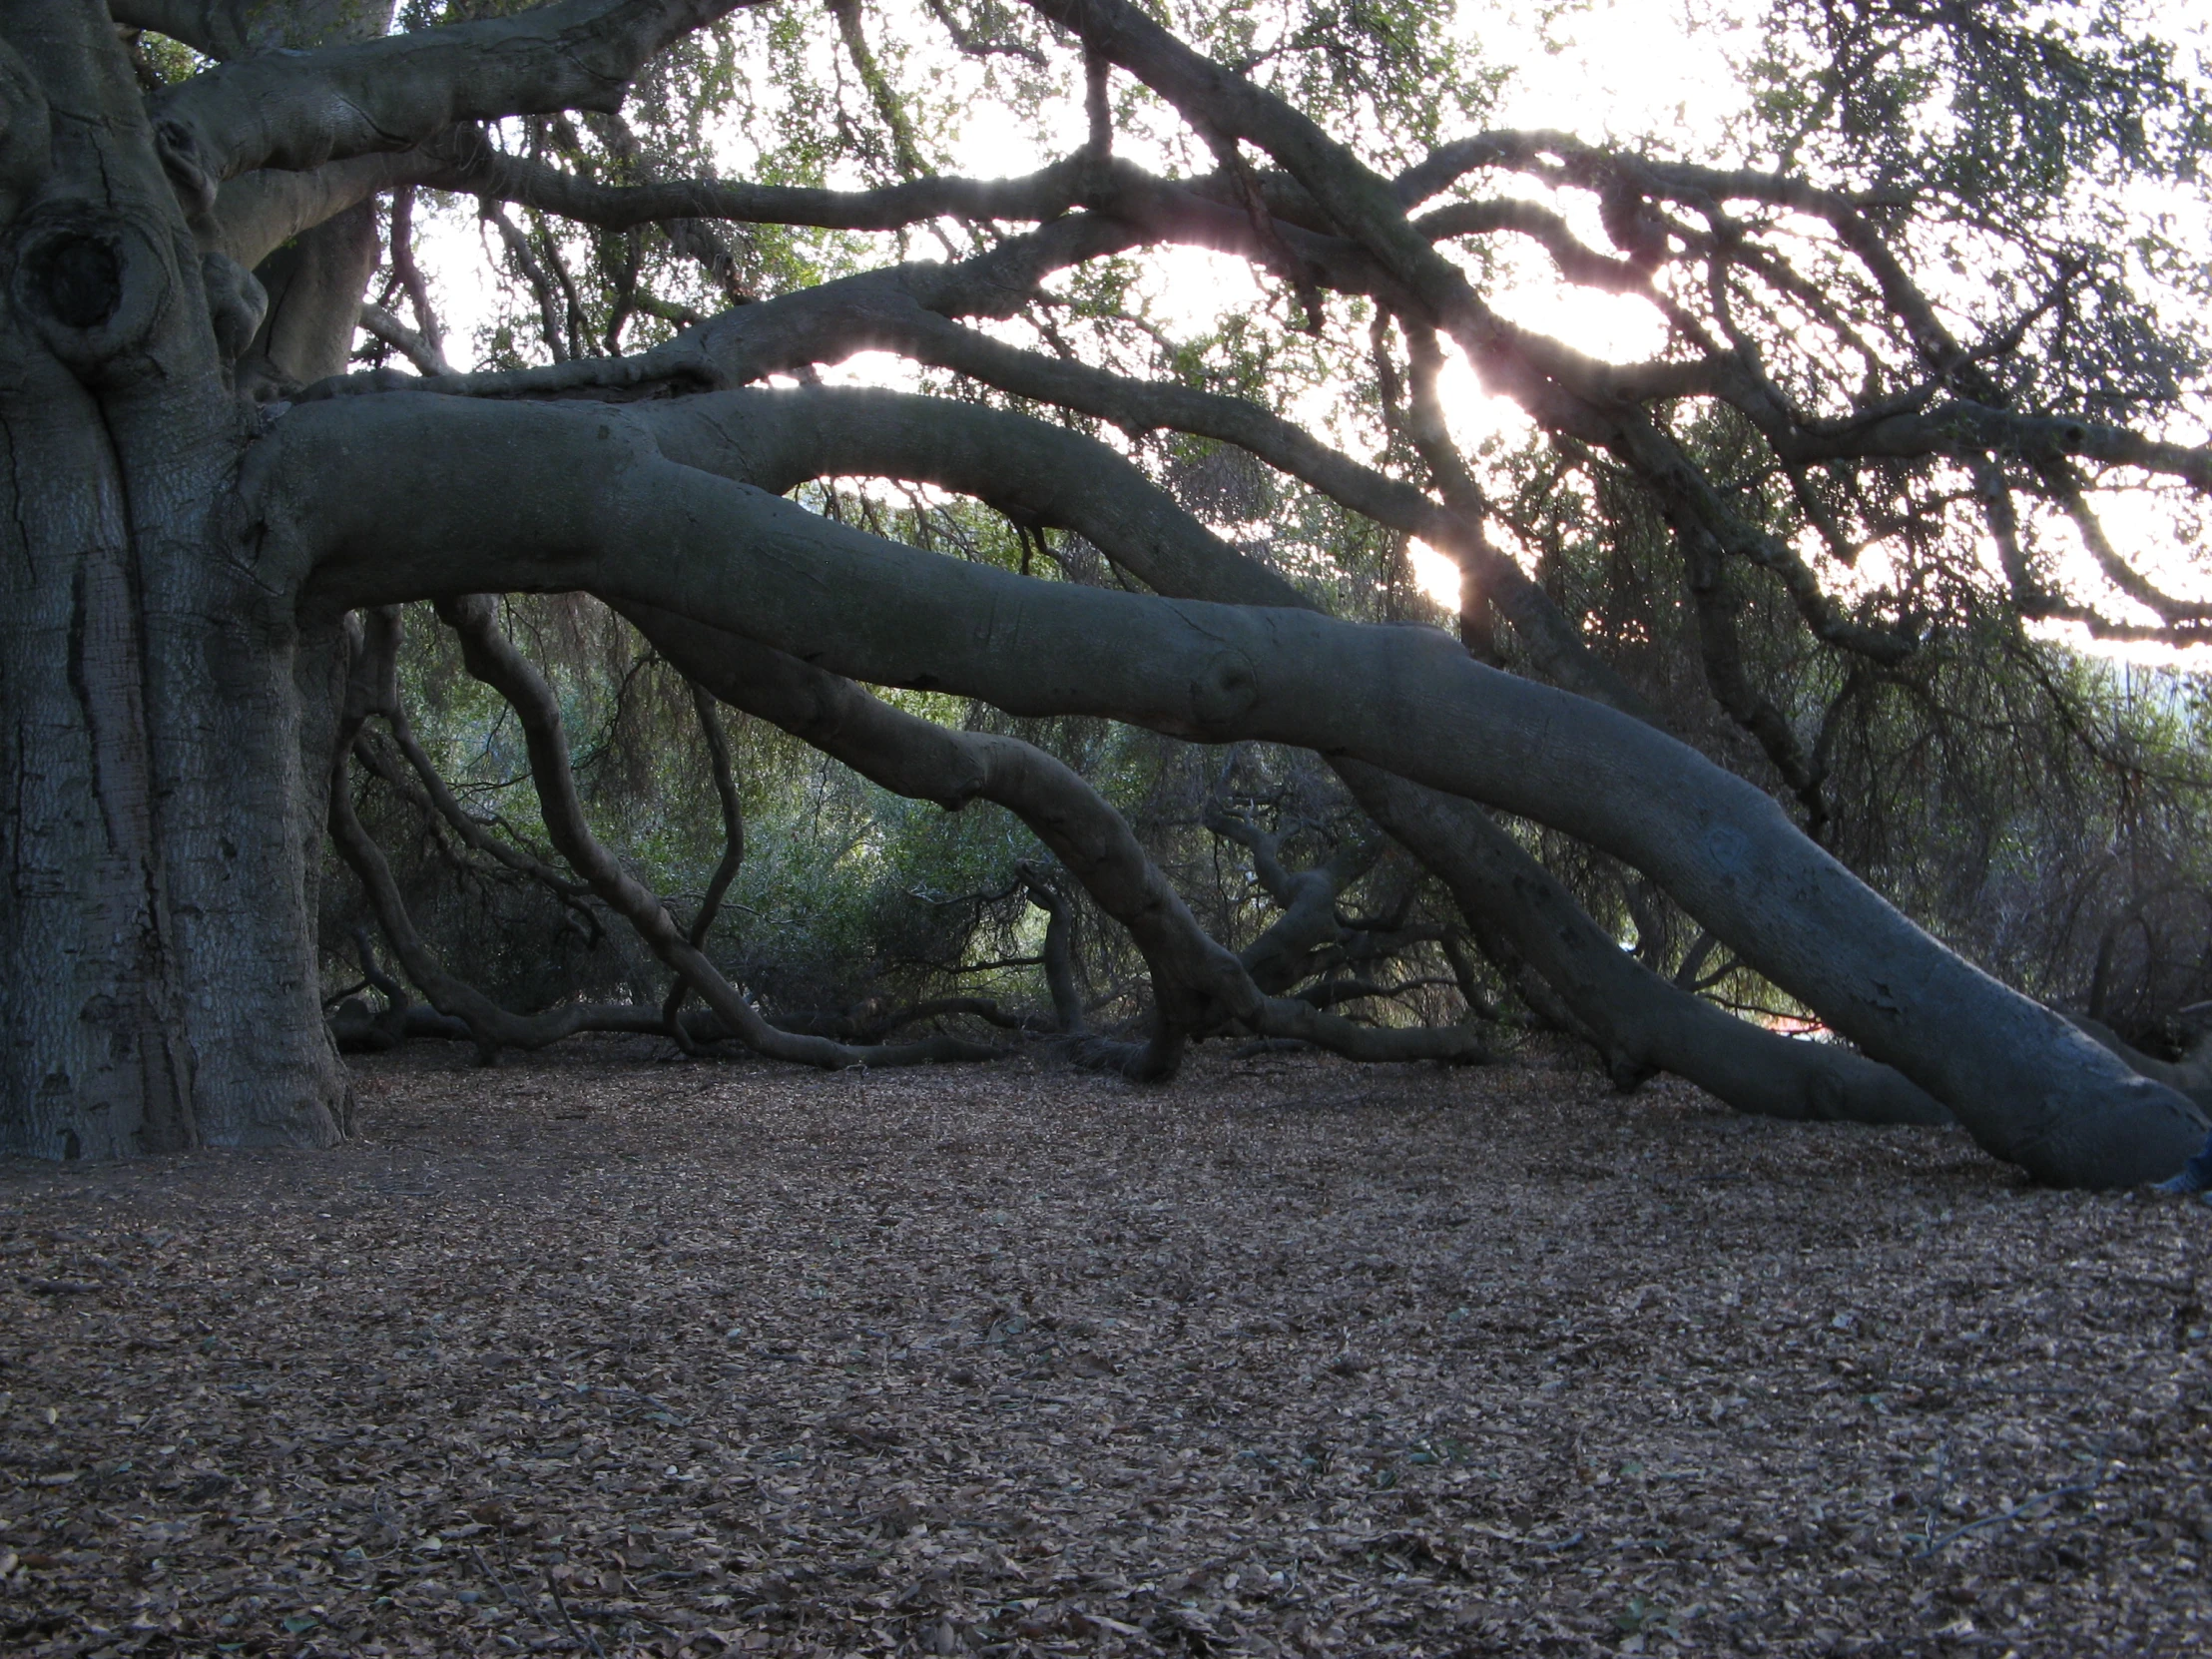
(1662, 75)
(1435, 574)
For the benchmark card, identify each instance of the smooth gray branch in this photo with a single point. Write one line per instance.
(422, 494)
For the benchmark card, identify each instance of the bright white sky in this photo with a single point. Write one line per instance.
(1650, 68)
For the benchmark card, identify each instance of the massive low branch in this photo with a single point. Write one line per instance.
(303, 108)
(1639, 1020)
(374, 500)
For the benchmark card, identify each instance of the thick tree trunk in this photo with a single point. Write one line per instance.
(160, 985)
(94, 1060)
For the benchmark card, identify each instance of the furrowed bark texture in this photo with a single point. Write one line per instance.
(561, 498)
(158, 960)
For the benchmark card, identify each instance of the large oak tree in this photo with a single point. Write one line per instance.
(211, 516)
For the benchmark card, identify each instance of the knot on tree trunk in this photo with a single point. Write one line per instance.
(94, 285)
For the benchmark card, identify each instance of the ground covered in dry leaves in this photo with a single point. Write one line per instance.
(591, 1354)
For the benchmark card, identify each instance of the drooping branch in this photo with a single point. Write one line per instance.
(1714, 603)
(958, 447)
(1638, 1022)
(494, 1027)
(457, 1009)
(557, 497)
(377, 671)
(733, 817)
(733, 845)
(553, 327)
(1636, 1018)
(492, 658)
(1280, 957)
(1198, 986)
(1059, 477)
(1058, 952)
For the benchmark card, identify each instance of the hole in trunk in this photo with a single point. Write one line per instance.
(80, 279)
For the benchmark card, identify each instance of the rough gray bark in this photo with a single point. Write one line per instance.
(155, 943)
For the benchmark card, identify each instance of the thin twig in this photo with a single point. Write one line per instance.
(582, 1636)
(492, 1573)
(2014, 1513)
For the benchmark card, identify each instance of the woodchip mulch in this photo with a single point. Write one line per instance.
(591, 1354)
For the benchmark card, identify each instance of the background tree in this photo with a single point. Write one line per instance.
(1755, 579)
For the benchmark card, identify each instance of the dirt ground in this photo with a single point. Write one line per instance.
(593, 1353)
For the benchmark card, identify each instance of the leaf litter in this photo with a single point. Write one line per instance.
(589, 1353)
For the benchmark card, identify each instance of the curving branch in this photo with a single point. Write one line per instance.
(1577, 261)
(1555, 648)
(301, 110)
(492, 658)
(1326, 221)
(371, 688)
(1962, 428)
(1050, 475)
(1058, 954)
(1198, 986)
(377, 671)
(1283, 953)
(257, 213)
(423, 353)
(558, 497)
(1638, 1021)
(824, 324)
(733, 847)
(480, 170)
